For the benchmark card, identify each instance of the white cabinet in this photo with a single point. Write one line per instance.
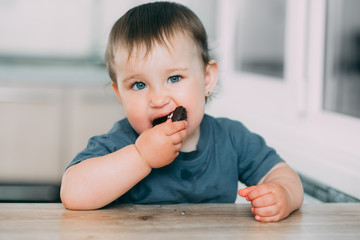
(41, 129)
(30, 146)
(91, 112)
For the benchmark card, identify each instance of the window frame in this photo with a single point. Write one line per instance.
(319, 144)
(349, 125)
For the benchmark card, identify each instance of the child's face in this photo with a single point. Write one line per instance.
(152, 86)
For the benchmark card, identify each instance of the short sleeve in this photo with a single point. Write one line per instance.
(97, 146)
(118, 137)
(255, 157)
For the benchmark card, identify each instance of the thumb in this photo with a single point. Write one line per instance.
(244, 192)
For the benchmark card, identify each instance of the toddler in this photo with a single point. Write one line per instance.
(157, 58)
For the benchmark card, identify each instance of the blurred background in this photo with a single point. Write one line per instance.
(289, 70)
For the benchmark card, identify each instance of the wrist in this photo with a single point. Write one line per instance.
(141, 158)
(294, 197)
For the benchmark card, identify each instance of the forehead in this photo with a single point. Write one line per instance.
(180, 46)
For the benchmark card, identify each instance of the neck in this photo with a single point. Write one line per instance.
(191, 141)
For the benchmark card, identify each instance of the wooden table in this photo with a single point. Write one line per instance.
(185, 222)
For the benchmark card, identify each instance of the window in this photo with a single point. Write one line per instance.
(308, 116)
(342, 59)
(260, 37)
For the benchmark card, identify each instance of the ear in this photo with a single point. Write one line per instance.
(211, 76)
(116, 89)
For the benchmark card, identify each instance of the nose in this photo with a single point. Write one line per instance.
(159, 98)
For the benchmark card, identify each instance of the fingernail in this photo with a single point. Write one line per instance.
(252, 209)
(257, 217)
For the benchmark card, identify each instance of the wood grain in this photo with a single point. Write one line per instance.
(184, 221)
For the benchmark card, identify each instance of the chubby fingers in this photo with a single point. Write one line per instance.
(267, 214)
(175, 131)
(268, 202)
(263, 201)
(258, 191)
(244, 192)
(171, 128)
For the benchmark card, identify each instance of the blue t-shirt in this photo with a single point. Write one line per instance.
(226, 152)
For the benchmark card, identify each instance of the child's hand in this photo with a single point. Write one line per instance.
(160, 145)
(270, 201)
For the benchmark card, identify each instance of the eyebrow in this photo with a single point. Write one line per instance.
(139, 75)
(128, 78)
(177, 69)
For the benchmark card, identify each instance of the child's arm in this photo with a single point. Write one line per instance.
(98, 181)
(278, 194)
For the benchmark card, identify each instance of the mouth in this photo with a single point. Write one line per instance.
(160, 120)
(179, 114)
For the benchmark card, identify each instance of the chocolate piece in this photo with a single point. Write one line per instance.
(178, 114)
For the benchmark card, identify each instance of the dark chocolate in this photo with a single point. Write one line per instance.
(179, 114)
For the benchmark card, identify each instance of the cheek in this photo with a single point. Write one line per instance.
(193, 90)
(137, 122)
(136, 114)
(194, 102)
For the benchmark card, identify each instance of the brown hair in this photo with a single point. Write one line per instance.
(152, 23)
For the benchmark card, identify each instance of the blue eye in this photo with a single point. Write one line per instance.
(138, 86)
(174, 79)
